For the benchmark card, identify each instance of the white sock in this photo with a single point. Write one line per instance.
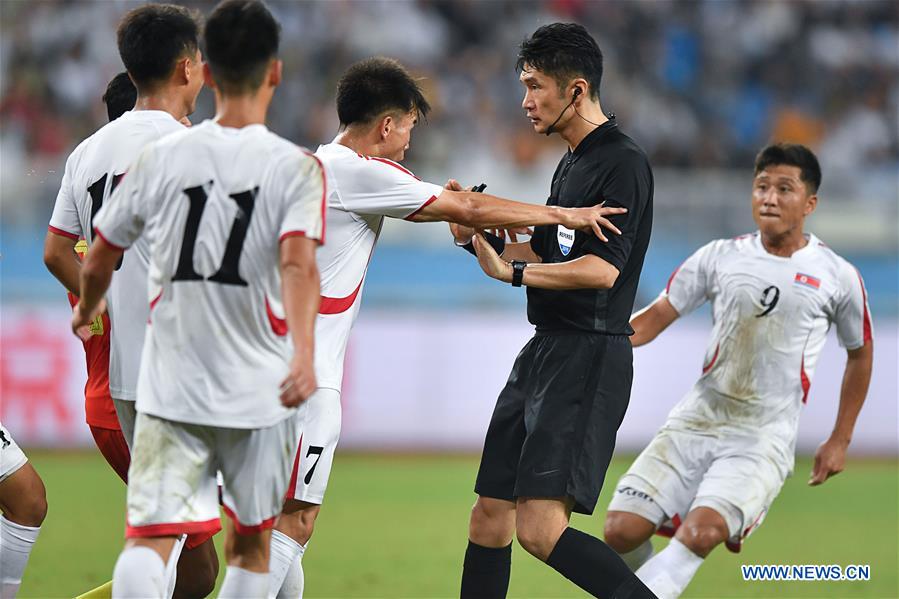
(243, 584)
(139, 573)
(670, 571)
(171, 566)
(284, 567)
(16, 542)
(639, 556)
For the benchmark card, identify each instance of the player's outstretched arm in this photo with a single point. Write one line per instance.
(62, 262)
(301, 294)
(482, 211)
(831, 455)
(652, 320)
(96, 274)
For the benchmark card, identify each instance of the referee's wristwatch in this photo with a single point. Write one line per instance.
(518, 272)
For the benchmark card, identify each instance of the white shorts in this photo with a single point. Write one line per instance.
(11, 456)
(738, 476)
(319, 432)
(126, 411)
(172, 487)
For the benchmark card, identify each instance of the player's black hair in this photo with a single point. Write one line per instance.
(241, 38)
(373, 86)
(792, 155)
(120, 96)
(153, 37)
(563, 51)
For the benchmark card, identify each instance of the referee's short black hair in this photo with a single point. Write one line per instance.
(792, 155)
(241, 39)
(120, 96)
(563, 51)
(373, 86)
(153, 37)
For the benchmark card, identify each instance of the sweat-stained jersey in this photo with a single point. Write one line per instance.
(214, 204)
(771, 316)
(92, 171)
(361, 191)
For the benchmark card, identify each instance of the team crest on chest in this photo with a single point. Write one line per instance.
(807, 281)
(565, 237)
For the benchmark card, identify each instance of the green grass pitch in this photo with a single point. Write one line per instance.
(395, 526)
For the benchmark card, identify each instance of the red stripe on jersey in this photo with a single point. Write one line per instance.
(430, 201)
(56, 231)
(279, 325)
(99, 234)
(394, 165)
(866, 326)
(671, 278)
(244, 529)
(806, 384)
(336, 305)
(172, 529)
(321, 167)
(711, 363)
(155, 300)
(292, 485)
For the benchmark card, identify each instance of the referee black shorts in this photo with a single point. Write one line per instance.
(553, 429)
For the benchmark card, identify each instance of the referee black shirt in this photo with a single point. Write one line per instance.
(605, 166)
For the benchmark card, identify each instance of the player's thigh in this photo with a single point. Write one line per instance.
(255, 465)
(126, 411)
(319, 433)
(172, 480)
(12, 458)
(741, 486)
(661, 483)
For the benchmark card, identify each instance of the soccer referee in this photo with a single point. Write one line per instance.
(553, 430)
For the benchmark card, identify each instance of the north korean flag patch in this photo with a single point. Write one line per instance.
(807, 280)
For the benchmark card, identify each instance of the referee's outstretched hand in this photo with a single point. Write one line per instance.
(591, 219)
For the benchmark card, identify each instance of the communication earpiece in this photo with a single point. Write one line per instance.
(576, 93)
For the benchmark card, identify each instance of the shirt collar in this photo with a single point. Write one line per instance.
(594, 135)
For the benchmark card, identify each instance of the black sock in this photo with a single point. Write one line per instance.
(485, 574)
(595, 567)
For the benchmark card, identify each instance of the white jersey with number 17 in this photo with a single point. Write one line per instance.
(92, 172)
(215, 203)
(362, 190)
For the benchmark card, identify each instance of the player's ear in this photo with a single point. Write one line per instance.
(207, 76)
(275, 72)
(811, 203)
(386, 126)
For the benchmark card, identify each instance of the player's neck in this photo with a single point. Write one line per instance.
(580, 124)
(161, 100)
(241, 111)
(357, 141)
(784, 245)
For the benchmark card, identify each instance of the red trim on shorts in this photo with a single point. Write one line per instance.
(243, 529)
(806, 384)
(99, 234)
(113, 448)
(711, 363)
(668, 531)
(172, 529)
(279, 325)
(195, 540)
(430, 201)
(56, 231)
(394, 165)
(292, 485)
(866, 326)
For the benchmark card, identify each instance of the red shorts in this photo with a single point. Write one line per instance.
(111, 444)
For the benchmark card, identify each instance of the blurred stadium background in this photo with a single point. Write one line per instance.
(700, 85)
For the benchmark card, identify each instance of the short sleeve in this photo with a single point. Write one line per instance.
(384, 188)
(629, 185)
(304, 194)
(64, 220)
(122, 218)
(851, 313)
(689, 284)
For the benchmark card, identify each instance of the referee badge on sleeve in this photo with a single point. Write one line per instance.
(565, 237)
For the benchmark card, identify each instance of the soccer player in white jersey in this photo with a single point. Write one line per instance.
(23, 502)
(378, 103)
(710, 474)
(159, 46)
(230, 211)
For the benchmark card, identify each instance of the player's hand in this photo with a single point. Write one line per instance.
(829, 460)
(185, 121)
(300, 382)
(591, 219)
(490, 262)
(81, 319)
